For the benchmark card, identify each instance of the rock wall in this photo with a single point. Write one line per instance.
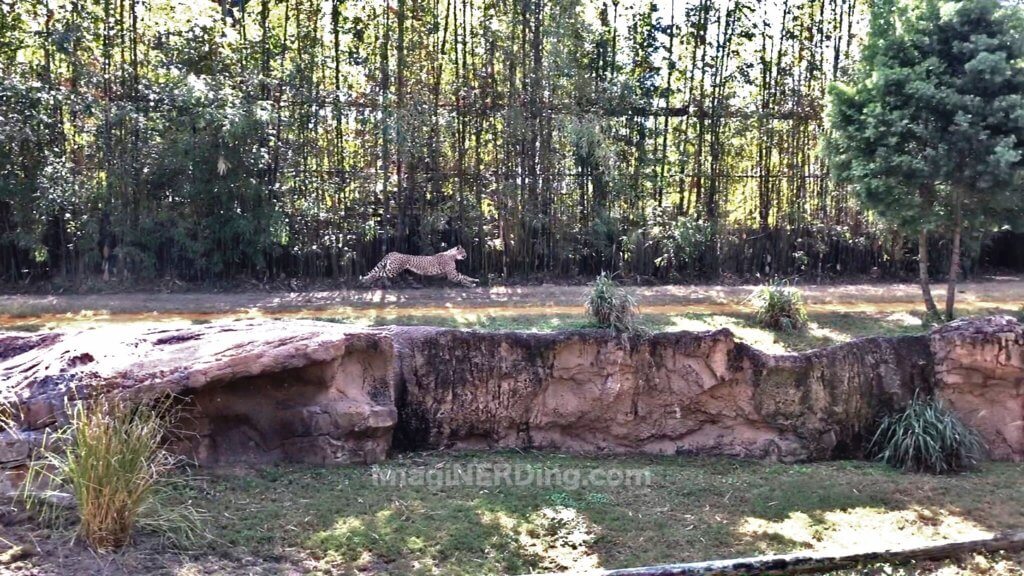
(674, 393)
(267, 391)
(980, 368)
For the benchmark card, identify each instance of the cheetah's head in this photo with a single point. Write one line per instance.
(459, 253)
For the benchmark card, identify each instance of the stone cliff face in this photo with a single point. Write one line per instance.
(266, 391)
(980, 366)
(674, 393)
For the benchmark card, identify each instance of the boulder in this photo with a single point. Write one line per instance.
(251, 391)
(979, 366)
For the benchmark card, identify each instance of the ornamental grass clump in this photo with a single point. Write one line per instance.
(926, 437)
(779, 307)
(611, 307)
(111, 460)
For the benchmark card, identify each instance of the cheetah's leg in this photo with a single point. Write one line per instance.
(381, 271)
(462, 279)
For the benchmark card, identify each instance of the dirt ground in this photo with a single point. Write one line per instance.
(443, 301)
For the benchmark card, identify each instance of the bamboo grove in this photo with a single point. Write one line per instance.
(268, 138)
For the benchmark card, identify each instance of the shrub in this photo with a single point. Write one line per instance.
(779, 307)
(611, 307)
(110, 458)
(1020, 314)
(680, 240)
(926, 437)
(932, 320)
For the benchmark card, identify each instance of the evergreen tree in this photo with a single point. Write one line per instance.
(931, 133)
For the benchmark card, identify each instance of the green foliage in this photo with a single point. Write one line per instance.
(930, 121)
(679, 240)
(110, 459)
(926, 437)
(779, 307)
(1020, 314)
(255, 140)
(932, 320)
(612, 307)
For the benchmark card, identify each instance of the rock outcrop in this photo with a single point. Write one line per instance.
(266, 391)
(979, 365)
(253, 391)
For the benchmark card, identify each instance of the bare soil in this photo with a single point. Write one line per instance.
(495, 301)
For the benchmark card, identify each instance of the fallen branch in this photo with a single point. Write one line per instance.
(806, 563)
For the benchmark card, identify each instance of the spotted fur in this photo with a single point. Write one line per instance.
(442, 264)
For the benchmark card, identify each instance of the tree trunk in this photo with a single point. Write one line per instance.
(954, 258)
(922, 265)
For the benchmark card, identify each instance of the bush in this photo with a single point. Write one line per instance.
(926, 437)
(110, 458)
(932, 320)
(779, 307)
(611, 307)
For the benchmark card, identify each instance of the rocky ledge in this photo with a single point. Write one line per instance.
(266, 391)
(252, 391)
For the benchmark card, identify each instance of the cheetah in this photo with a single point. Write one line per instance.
(442, 264)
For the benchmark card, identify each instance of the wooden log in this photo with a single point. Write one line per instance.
(810, 563)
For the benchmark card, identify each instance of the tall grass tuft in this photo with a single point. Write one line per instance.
(926, 437)
(779, 307)
(110, 459)
(611, 307)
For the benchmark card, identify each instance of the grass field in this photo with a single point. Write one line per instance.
(341, 521)
(308, 520)
(825, 329)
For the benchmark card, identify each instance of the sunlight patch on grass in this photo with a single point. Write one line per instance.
(688, 324)
(904, 319)
(825, 333)
(759, 338)
(860, 529)
(558, 536)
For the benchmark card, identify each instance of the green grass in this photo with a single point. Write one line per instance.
(692, 509)
(825, 328)
(612, 307)
(527, 322)
(27, 327)
(780, 307)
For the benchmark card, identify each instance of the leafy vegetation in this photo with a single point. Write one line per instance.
(612, 307)
(779, 307)
(922, 132)
(110, 459)
(926, 437)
